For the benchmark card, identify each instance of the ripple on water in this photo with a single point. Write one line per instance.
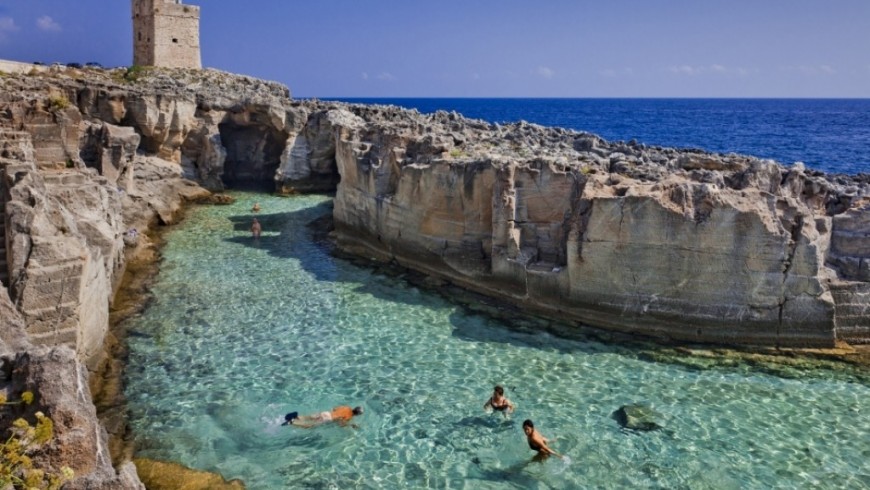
(241, 332)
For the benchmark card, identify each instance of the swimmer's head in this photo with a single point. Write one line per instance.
(357, 410)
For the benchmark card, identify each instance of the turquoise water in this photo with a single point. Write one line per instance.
(242, 331)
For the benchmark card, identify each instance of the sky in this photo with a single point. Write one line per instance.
(489, 48)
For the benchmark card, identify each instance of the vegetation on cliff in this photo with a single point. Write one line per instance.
(16, 466)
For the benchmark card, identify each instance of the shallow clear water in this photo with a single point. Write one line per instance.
(242, 331)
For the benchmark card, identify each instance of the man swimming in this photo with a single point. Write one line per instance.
(340, 415)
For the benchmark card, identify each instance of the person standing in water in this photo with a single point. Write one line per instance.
(498, 402)
(256, 229)
(537, 442)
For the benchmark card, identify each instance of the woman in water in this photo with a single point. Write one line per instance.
(498, 402)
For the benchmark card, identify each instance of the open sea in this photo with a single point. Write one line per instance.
(241, 331)
(832, 135)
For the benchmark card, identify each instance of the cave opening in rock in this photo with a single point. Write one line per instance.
(253, 155)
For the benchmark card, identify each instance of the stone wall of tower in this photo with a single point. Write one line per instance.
(166, 33)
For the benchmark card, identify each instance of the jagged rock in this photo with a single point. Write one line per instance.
(677, 244)
(680, 244)
(60, 387)
(12, 336)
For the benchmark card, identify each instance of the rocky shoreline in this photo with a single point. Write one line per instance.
(677, 245)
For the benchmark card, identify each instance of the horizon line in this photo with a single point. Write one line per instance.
(404, 97)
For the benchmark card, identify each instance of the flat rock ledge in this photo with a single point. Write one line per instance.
(675, 244)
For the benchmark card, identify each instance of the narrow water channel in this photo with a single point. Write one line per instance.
(242, 331)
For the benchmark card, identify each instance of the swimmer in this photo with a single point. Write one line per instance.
(498, 402)
(256, 207)
(256, 228)
(340, 415)
(537, 442)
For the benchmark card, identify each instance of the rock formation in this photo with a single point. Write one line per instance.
(676, 244)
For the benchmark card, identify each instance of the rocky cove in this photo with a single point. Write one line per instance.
(678, 245)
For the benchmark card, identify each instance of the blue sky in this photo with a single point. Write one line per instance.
(490, 48)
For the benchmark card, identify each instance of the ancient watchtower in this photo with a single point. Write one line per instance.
(166, 33)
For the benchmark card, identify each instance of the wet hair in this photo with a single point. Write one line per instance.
(528, 423)
(498, 389)
(357, 410)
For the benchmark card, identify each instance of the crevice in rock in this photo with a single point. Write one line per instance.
(794, 237)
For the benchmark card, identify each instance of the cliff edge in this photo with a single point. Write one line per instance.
(676, 244)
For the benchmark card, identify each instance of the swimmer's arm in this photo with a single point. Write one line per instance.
(546, 449)
(488, 404)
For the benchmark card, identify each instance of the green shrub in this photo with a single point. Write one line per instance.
(16, 466)
(57, 102)
(130, 75)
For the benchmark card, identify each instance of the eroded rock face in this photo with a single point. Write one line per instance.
(60, 389)
(676, 244)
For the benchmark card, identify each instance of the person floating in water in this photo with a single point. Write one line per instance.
(498, 402)
(256, 207)
(256, 229)
(537, 442)
(340, 415)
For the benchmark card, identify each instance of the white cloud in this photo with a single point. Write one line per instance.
(387, 77)
(46, 23)
(686, 70)
(475, 76)
(545, 72)
(714, 69)
(7, 24)
(365, 76)
(612, 72)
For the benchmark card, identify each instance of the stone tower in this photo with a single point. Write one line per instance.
(166, 33)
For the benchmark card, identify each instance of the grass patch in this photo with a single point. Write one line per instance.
(57, 102)
(132, 74)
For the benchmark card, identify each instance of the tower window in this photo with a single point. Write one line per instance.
(175, 40)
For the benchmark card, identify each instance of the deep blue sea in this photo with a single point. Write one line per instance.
(832, 135)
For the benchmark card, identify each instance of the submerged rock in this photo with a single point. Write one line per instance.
(637, 417)
(159, 475)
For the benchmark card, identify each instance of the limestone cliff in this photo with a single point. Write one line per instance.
(677, 244)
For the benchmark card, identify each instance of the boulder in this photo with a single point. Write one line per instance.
(637, 417)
